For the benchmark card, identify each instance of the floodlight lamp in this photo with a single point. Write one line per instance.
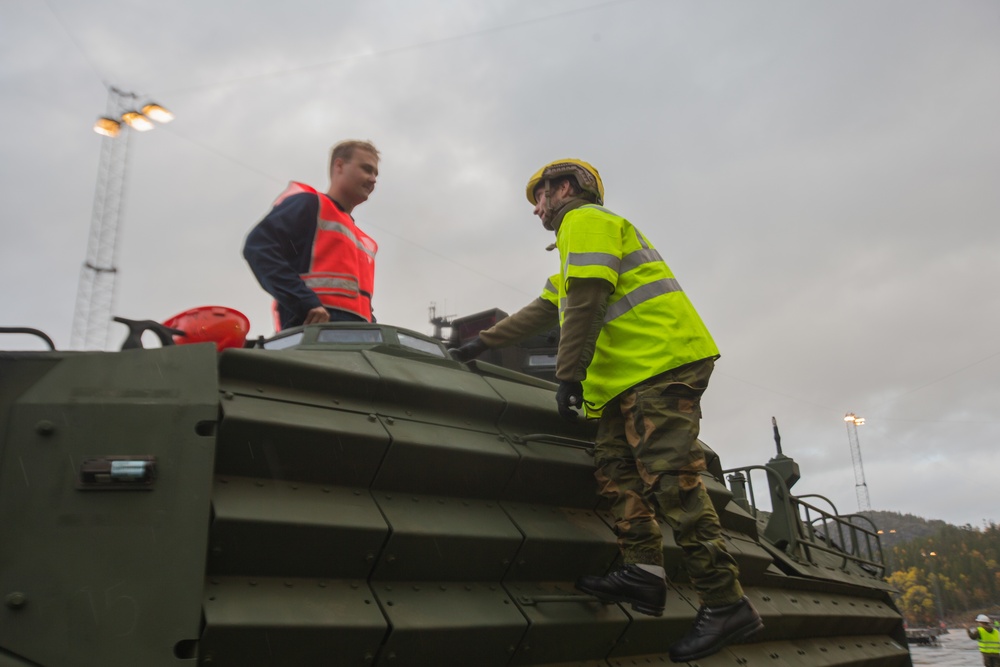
(137, 121)
(109, 127)
(157, 113)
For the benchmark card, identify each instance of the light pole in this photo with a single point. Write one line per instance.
(931, 557)
(98, 276)
(860, 486)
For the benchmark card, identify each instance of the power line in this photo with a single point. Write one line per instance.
(276, 179)
(391, 51)
(773, 391)
(452, 260)
(217, 152)
(396, 50)
(938, 421)
(385, 52)
(935, 381)
(76, 42)
(882, 403)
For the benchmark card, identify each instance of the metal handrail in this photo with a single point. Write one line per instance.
(32, 332)
(552, 439)
(816, 495)
(801, 518)
(849, 544)
(779, 493)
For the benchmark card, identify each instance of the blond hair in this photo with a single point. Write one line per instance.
(345, 150)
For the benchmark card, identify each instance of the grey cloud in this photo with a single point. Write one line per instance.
(821, 176)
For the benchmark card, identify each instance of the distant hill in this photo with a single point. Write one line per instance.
(900, 528)
(940, 571)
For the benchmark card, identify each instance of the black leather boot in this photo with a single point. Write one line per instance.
(714, 627)
(646, 591)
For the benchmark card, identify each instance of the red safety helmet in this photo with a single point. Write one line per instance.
(223, 326)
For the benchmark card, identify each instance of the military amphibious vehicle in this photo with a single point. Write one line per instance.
(347, 494)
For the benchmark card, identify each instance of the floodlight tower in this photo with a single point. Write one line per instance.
(853, 422)
(96, 292)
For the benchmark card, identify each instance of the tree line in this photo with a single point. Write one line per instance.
(954, 570)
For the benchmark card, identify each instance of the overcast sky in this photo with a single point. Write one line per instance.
(823, 178)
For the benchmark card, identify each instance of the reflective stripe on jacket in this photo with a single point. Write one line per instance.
(650, 325)
(342, 266)
(550, 292)
(989, 640)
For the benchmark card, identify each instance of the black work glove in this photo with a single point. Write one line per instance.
(569, 396)
(470, 350)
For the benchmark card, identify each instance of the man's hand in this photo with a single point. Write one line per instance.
(317, 315)
(470, 350)
(568, 397)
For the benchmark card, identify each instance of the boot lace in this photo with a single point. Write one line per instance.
(704, 613)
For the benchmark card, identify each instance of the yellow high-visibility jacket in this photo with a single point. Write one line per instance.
(650, 326)
(989, 640)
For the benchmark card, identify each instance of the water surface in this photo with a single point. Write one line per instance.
(955, 650)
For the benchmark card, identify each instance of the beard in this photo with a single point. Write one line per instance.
(549, 209)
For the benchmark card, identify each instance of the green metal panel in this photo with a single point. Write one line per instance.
(325, 378)
(277, 528)
(445, 393)
(791, 613)
(646, 635)
(560, 543)
(738, 519)
(435, 538)
(718, 493)
(20, 370)
(108, 577)
(564, 625)
(827, 568)
(869, 651)
(265, 622)
(274, 439)
(449, 624)
(429, 458)
(341, 464)
(531, 408)
(553, 474)
(753, 560)
(7, 660)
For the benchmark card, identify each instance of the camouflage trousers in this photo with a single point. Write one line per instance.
(648, 462)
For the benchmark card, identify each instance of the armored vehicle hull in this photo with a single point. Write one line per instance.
(349, 495)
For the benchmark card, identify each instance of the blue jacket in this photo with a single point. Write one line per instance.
(279, 249)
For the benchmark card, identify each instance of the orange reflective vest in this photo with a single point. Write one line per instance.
(342, 266)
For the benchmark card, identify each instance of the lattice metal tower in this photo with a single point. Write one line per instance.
(98, 276)
(860, 486)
